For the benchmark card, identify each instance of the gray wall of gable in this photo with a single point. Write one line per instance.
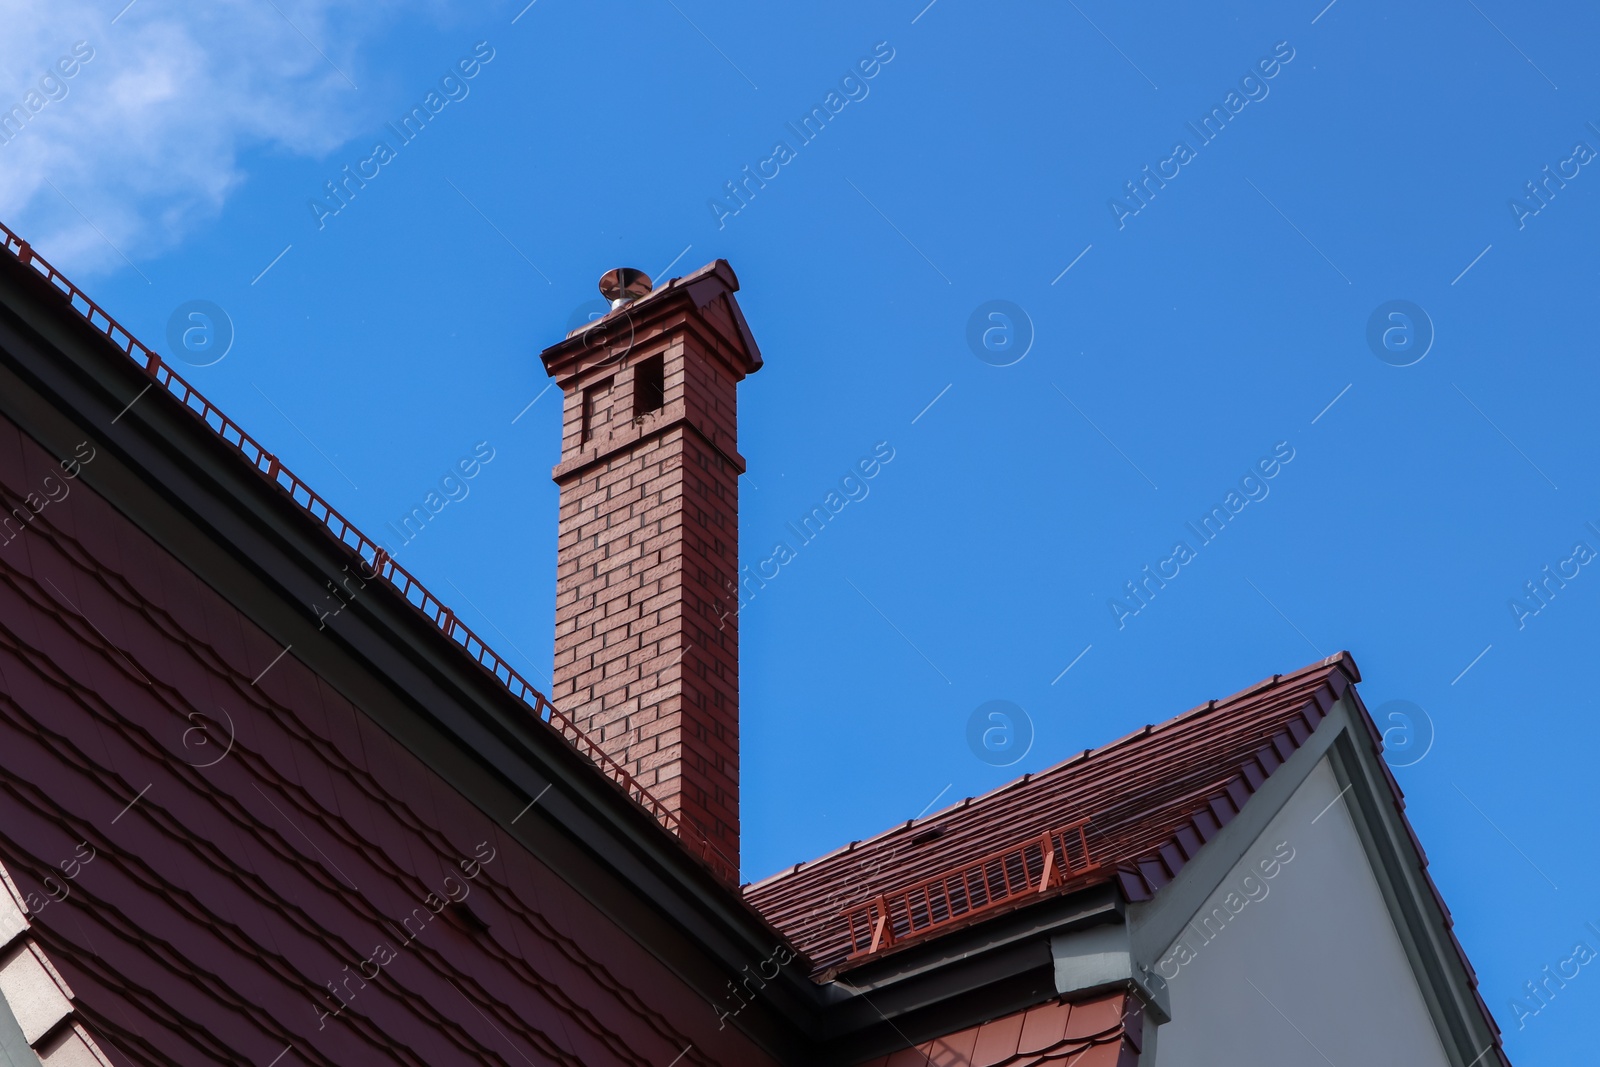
(1305, 966)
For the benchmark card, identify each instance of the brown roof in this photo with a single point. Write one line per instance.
(1102, 1031)
(1151, 800)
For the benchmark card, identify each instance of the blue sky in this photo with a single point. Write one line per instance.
(1172, 349)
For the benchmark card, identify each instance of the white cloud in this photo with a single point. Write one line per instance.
(146, 141)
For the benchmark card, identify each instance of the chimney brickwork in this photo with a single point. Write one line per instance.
(647, 652)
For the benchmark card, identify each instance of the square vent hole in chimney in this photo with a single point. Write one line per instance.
(596, 408)
(649, 386)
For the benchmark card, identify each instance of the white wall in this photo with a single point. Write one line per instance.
(1319, 943)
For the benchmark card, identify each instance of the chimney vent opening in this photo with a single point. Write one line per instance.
(649, 386)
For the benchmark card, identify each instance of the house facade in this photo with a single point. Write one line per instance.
(265, 799)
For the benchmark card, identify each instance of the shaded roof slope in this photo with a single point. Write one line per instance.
(369, 556)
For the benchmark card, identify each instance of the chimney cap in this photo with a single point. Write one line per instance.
(623, 285)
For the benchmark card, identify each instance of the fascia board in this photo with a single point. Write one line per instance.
(1419, 920)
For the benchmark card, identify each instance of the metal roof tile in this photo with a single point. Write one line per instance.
(997, 1041)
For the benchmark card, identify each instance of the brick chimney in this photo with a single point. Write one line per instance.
(647, 558)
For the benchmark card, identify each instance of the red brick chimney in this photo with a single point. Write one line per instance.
(647, 652)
